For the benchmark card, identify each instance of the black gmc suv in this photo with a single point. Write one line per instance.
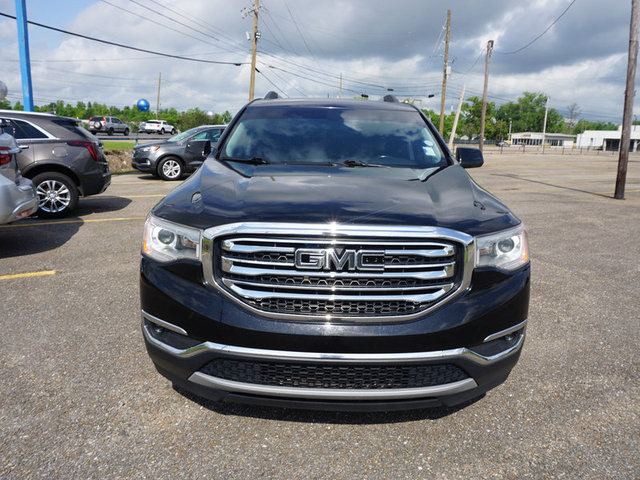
(333, 254)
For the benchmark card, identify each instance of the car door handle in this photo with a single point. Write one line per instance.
(23, 147)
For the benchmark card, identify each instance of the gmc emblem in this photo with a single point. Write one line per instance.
(339, 260)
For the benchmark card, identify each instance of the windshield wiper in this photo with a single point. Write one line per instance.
(360, 163)
(251, 161)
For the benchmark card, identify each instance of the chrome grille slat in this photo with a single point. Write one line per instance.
(256, 262)
(321, 288)
(258, 295)
(426, 244)
(337, 272)
(446, 271)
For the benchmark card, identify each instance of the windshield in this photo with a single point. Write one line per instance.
(181, 136)
(346, 135)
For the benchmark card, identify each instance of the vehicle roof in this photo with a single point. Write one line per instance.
(331, 102)
(22, 113)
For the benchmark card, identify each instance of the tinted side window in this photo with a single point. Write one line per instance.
(23, 130)
(214, 135)
(201, 136)
(70, 126)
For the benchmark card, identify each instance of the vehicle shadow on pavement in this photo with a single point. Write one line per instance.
(331, 417)
(35, 236)
(152, 178)
(100, 204)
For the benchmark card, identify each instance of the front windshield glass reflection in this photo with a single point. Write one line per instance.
(392, 138)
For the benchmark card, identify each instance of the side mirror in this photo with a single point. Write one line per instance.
(469, 157)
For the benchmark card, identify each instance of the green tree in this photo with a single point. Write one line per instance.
(447, 124)
(470, 116)
(527, 114)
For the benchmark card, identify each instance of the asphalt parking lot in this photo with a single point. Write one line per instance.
(81, 399)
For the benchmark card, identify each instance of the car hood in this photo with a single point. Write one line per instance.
(155, 144)
(446, 197)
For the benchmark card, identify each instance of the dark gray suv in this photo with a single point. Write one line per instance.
(63, 160)
(183, 153)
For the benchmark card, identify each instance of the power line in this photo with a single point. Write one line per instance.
(146, 19)
(271, 82)
(107, 42)
(223, 36)
(298, 28)
(538, 37)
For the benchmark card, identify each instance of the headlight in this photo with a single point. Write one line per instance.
(149, 149)
(167, 241)
(506, 250)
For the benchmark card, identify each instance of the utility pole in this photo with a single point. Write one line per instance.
(25, 60)
(629, 93)
(544, 123)
(455, 120)
(340, 95)
(444, 73)
(158, 102)
(254, 48)
(483, 114)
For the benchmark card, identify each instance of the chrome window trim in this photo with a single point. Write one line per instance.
(373, 232)
(360, 358)
(333, 393)
(37, 127)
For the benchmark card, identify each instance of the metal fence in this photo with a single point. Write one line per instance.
(541, 150)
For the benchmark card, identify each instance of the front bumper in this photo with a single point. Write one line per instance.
(188, 329)
(284, 389)
(143, 165)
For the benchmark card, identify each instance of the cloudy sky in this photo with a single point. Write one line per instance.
(306, 46)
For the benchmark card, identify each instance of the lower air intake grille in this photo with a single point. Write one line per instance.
(343, 376)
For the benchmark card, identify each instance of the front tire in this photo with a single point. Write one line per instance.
(57, 194)
(170, 169)
(126, 132)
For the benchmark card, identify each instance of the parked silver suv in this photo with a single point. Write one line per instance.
(17, 194)
(108, 125)
(63, 159)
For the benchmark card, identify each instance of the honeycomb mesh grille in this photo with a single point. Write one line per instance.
(338, 376)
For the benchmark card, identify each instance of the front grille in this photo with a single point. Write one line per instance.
(338, 277)
(338, 376)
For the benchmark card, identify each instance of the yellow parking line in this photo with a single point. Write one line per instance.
(92, 220)
(27, 275)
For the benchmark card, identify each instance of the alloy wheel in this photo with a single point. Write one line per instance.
(53, 196)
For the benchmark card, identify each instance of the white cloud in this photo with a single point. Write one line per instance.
(303, 50)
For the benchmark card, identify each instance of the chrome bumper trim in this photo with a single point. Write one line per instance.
(280, 355)
(162, 323)
(332, 393)
(506, 331)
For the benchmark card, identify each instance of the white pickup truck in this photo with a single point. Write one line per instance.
(157, 126)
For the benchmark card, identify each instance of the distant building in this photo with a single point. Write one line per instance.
(608, 139)
(550, 139)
